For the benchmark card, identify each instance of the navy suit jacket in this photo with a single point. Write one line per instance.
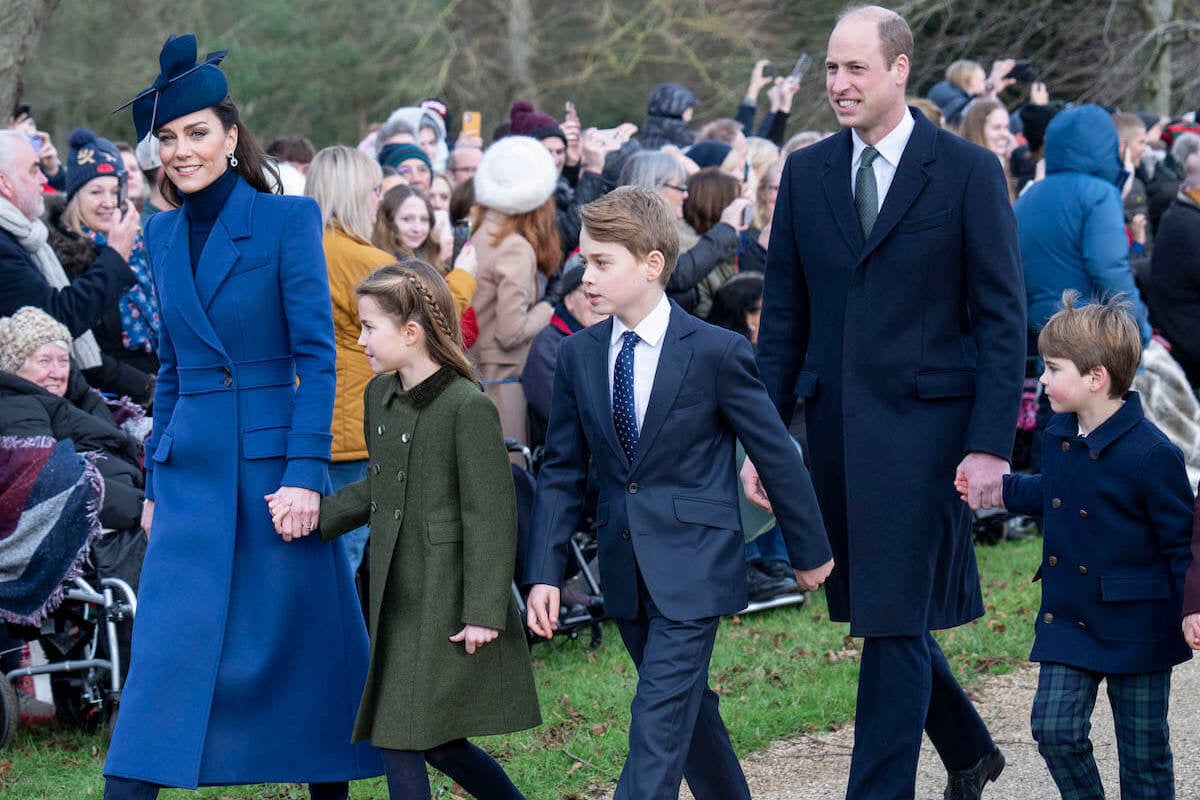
(909, 349)
(672, 514)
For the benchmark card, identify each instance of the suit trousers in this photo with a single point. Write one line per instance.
(676, 729)
(905, 686)
(1062, 719)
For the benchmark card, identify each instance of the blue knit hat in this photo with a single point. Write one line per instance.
(183, 86)
(708, 153)
(91, 156)
(393, 155)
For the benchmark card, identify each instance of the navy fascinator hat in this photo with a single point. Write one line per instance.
(183, 86)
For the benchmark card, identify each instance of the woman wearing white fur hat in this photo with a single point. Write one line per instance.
(515, 238)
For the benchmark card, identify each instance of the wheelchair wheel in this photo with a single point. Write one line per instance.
(10, 712)
(79, 701)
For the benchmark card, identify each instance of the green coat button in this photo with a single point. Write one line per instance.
(405, 437)
(381, 429)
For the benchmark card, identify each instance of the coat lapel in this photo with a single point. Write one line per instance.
(220, 254)
(836, 182)
(668, 378)
(175, 276)
(596, 380)
(910, 179)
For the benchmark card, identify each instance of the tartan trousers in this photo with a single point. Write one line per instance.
(1061, 722)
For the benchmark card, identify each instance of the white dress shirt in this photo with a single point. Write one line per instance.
(651, 331)
(890, 148)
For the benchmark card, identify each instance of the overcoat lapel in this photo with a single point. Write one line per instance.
(911, 176)
(596, 380)
(175, 276)
(220, 254)
(836, 183)
(668, 379)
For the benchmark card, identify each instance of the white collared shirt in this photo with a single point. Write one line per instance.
(890, 148)
(651, 330)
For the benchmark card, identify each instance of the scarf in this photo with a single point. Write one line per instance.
(32, 236)
(139, 305)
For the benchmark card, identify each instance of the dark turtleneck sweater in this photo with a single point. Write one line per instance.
(202, 209)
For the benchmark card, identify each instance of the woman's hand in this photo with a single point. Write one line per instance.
(468, 259)
(474, 637)
(147, 516)
(294, 511)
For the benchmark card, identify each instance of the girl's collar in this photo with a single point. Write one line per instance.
(428, 390)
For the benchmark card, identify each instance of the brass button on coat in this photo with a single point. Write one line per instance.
(1083, 513)
(1056, 502)
(1047, 618)
(1066, 447)
(1053, 560)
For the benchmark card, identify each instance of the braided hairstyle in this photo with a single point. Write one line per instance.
(412, 290)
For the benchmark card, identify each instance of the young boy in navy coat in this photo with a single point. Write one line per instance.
(655, 398)
(1118, 517)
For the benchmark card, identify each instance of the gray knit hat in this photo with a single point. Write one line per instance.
(24, 332)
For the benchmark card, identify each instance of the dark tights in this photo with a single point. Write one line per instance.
(470, 767)
(126, 789)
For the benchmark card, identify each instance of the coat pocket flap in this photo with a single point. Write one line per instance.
(945, 383)
(710, 513)
(444, 531)
(806, 383)
(923, 223)
(1115, 588)
(265, 443)
(162, 453)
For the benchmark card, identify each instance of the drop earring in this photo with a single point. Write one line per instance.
(233, 160)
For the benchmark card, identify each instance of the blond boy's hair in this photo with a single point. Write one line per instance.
(637, 219)
(1102, 334)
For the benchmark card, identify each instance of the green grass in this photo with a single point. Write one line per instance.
(779, 673)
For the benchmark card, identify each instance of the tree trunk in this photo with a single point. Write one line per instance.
(21, 24)
(521, 26)
(1155, 88)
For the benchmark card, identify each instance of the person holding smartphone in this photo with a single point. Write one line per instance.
(98, 212)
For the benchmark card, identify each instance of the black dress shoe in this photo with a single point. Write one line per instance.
(781, 570)
(763, 587)
(968, 784)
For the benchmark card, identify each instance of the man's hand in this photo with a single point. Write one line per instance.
(757, 80)
(810, 579)
(573, 131)
(752, 487)
(1191, 630)
(983, 474)
(541, 610)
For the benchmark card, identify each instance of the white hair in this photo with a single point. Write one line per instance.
(9, 148)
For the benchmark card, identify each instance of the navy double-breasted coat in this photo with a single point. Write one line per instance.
(249, 653)
(909, 351)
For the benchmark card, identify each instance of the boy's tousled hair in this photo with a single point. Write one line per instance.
(638, 220)
(412, 290)
(1100, 334)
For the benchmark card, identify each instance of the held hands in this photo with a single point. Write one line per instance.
(1191, 630)
(979, 480)
(474, 636)
(542, 607)
(294, 511)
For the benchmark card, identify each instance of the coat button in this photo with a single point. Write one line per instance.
(396, 514)
(633, 488)
(400, 476)
(228, 381)
(1082, 625)
(1083, 513)
(625, 535)
(1053, 561)
(375, 468)
(1047, 618)
(405, 437)
(381, 429)
(1066, 447)
(374, 507)
(1082, 569)
(1056, 502)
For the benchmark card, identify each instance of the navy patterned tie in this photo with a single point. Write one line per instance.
(866, 194)
(623, 408)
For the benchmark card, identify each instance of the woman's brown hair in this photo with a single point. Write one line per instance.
(709, 191)
(387, 236)
(413, 291)
(253, 163)
(538, 227)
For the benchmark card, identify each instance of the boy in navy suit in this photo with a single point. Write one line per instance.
(1118, 518)
(655, 398)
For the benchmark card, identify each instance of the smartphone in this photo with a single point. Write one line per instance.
(748, 215)
(21, 110)
(768, 70)
(462, 232)
(802, 64)
(472, 124)
(1023, 71)
(123, 194)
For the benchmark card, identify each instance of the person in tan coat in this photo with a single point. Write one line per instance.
(516, 244)
(345, 184)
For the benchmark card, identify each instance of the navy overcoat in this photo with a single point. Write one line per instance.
(909, 350)
(249, 653)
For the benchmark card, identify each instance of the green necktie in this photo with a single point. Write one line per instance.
(866, 194)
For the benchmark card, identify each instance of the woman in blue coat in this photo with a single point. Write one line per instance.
(249, 654)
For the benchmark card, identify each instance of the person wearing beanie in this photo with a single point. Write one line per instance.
(668, 112)
(429, 131)
(525, 120)
(516, 244)
(127, 330)
(36, 346)
(238, 622)
(410, 163)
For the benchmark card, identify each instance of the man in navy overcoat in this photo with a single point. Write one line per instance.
(894, 306)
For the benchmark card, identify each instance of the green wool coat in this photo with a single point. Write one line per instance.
(440, 501)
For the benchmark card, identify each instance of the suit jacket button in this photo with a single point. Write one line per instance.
(1082, 569)
(1066, 447)
(1053, 561)
(625, 535)
(1056, 502)
(633, 488)
(1047, 618)
(1083, 513)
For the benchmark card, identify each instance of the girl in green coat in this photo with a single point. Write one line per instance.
(448, 652)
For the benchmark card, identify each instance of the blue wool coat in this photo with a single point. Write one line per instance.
(249, 653)
(1118, 528)
(909, 349)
